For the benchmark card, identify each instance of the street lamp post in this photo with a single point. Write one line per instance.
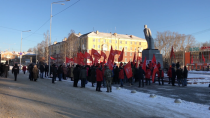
(21, 46)
(59, 2)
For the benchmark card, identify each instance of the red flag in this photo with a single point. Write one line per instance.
(103, 54)
(154, 72)
(153, 61)
(137, 62)
(144, 65)
(68, 60)
(134, 58)
(172, 52)
(87, 55)
(81, 55)
(75, 59)
(191, 59)
(95, 53)
(121, 56)
(91, 59)
(52, 58)
(203, 58)
(128, 70)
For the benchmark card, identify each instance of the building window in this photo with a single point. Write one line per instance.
(131, 48)
(139, 43)
(115, 41)
(93, 46)
(125, 42)
(110, 41)
(98, 40)
(93, 40)
(99, 46)
(120, 42)
(120, 47)
(131, 42)
(115, 59)
(115, 47)
(125, 48)
(130, 60)
(135, 48)
(125, 53)
(110, 47)
(130, 53)
(104, 40)
(126, 59)
(135, 43)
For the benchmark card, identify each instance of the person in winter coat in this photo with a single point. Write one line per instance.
(179, 74)
(64, 72)
(35, 72)
(121, 75)
(99, 79)
(24, 69)
(185, 73)
(82, 76)
(54, 72)
(60, 72)
(30, 69)
(93, 75)
(41, 70)
(160, 76)
(76, 73)
(140, 76)
(46, 69)
(108, 77)
(71, 73)
(173, 75)
(169, 75)
(148, 75)
(6, 69)
(15, 70)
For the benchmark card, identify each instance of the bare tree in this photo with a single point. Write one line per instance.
(30, 50)
(165, 40)
(46, 46)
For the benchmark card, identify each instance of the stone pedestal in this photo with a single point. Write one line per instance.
(148, 53)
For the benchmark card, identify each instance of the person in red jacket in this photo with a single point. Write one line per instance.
(99, 79)
(24, 69)
(169, 75)
(148, 75)
(160, 76)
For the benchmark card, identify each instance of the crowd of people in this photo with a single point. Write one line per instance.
(101, 74)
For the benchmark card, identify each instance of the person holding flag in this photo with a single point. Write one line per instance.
(160, 76)
(148, 75)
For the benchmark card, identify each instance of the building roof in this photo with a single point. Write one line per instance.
(113, 35)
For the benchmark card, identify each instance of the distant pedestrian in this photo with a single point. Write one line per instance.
(82, 76)
(24, 69)
(35, 72)
(76, 75)
(108, 76)
(6, 69)
(71, 72)
(60, 72)
(93, 75)
(46, 69)
(64, 72)
(148, 75)
(99, 79)
(42, 71)
(185, 74)
(160, 76)
(54, 72)
(15, 70)
(140, 76)
(173, 75)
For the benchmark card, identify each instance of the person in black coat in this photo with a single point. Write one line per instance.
(140, 76)
(30, 69)
(41, 70)
(60, 72)
(179, 74)
(76, 72)
(6, 69)
(116, 75)
(15, 70)
(173, 75)
(46, 69)
(185, 73)
(55, 72)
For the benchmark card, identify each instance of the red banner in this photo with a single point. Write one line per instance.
(95, 53)
(128, 70)
(121, 56)
(144, 65)
(103, 54)
(153, 61)
(203, 58)
(52, 58)
(121, 74)
(172, 52)
(134, 58)
(87, 55)
(154, 73)
(68, 60)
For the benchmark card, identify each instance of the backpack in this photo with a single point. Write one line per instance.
(108, 73)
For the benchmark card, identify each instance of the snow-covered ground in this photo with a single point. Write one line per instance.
(140, 100)
(193, 71)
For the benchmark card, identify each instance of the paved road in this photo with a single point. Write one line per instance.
(192, 94)
(42, 99)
